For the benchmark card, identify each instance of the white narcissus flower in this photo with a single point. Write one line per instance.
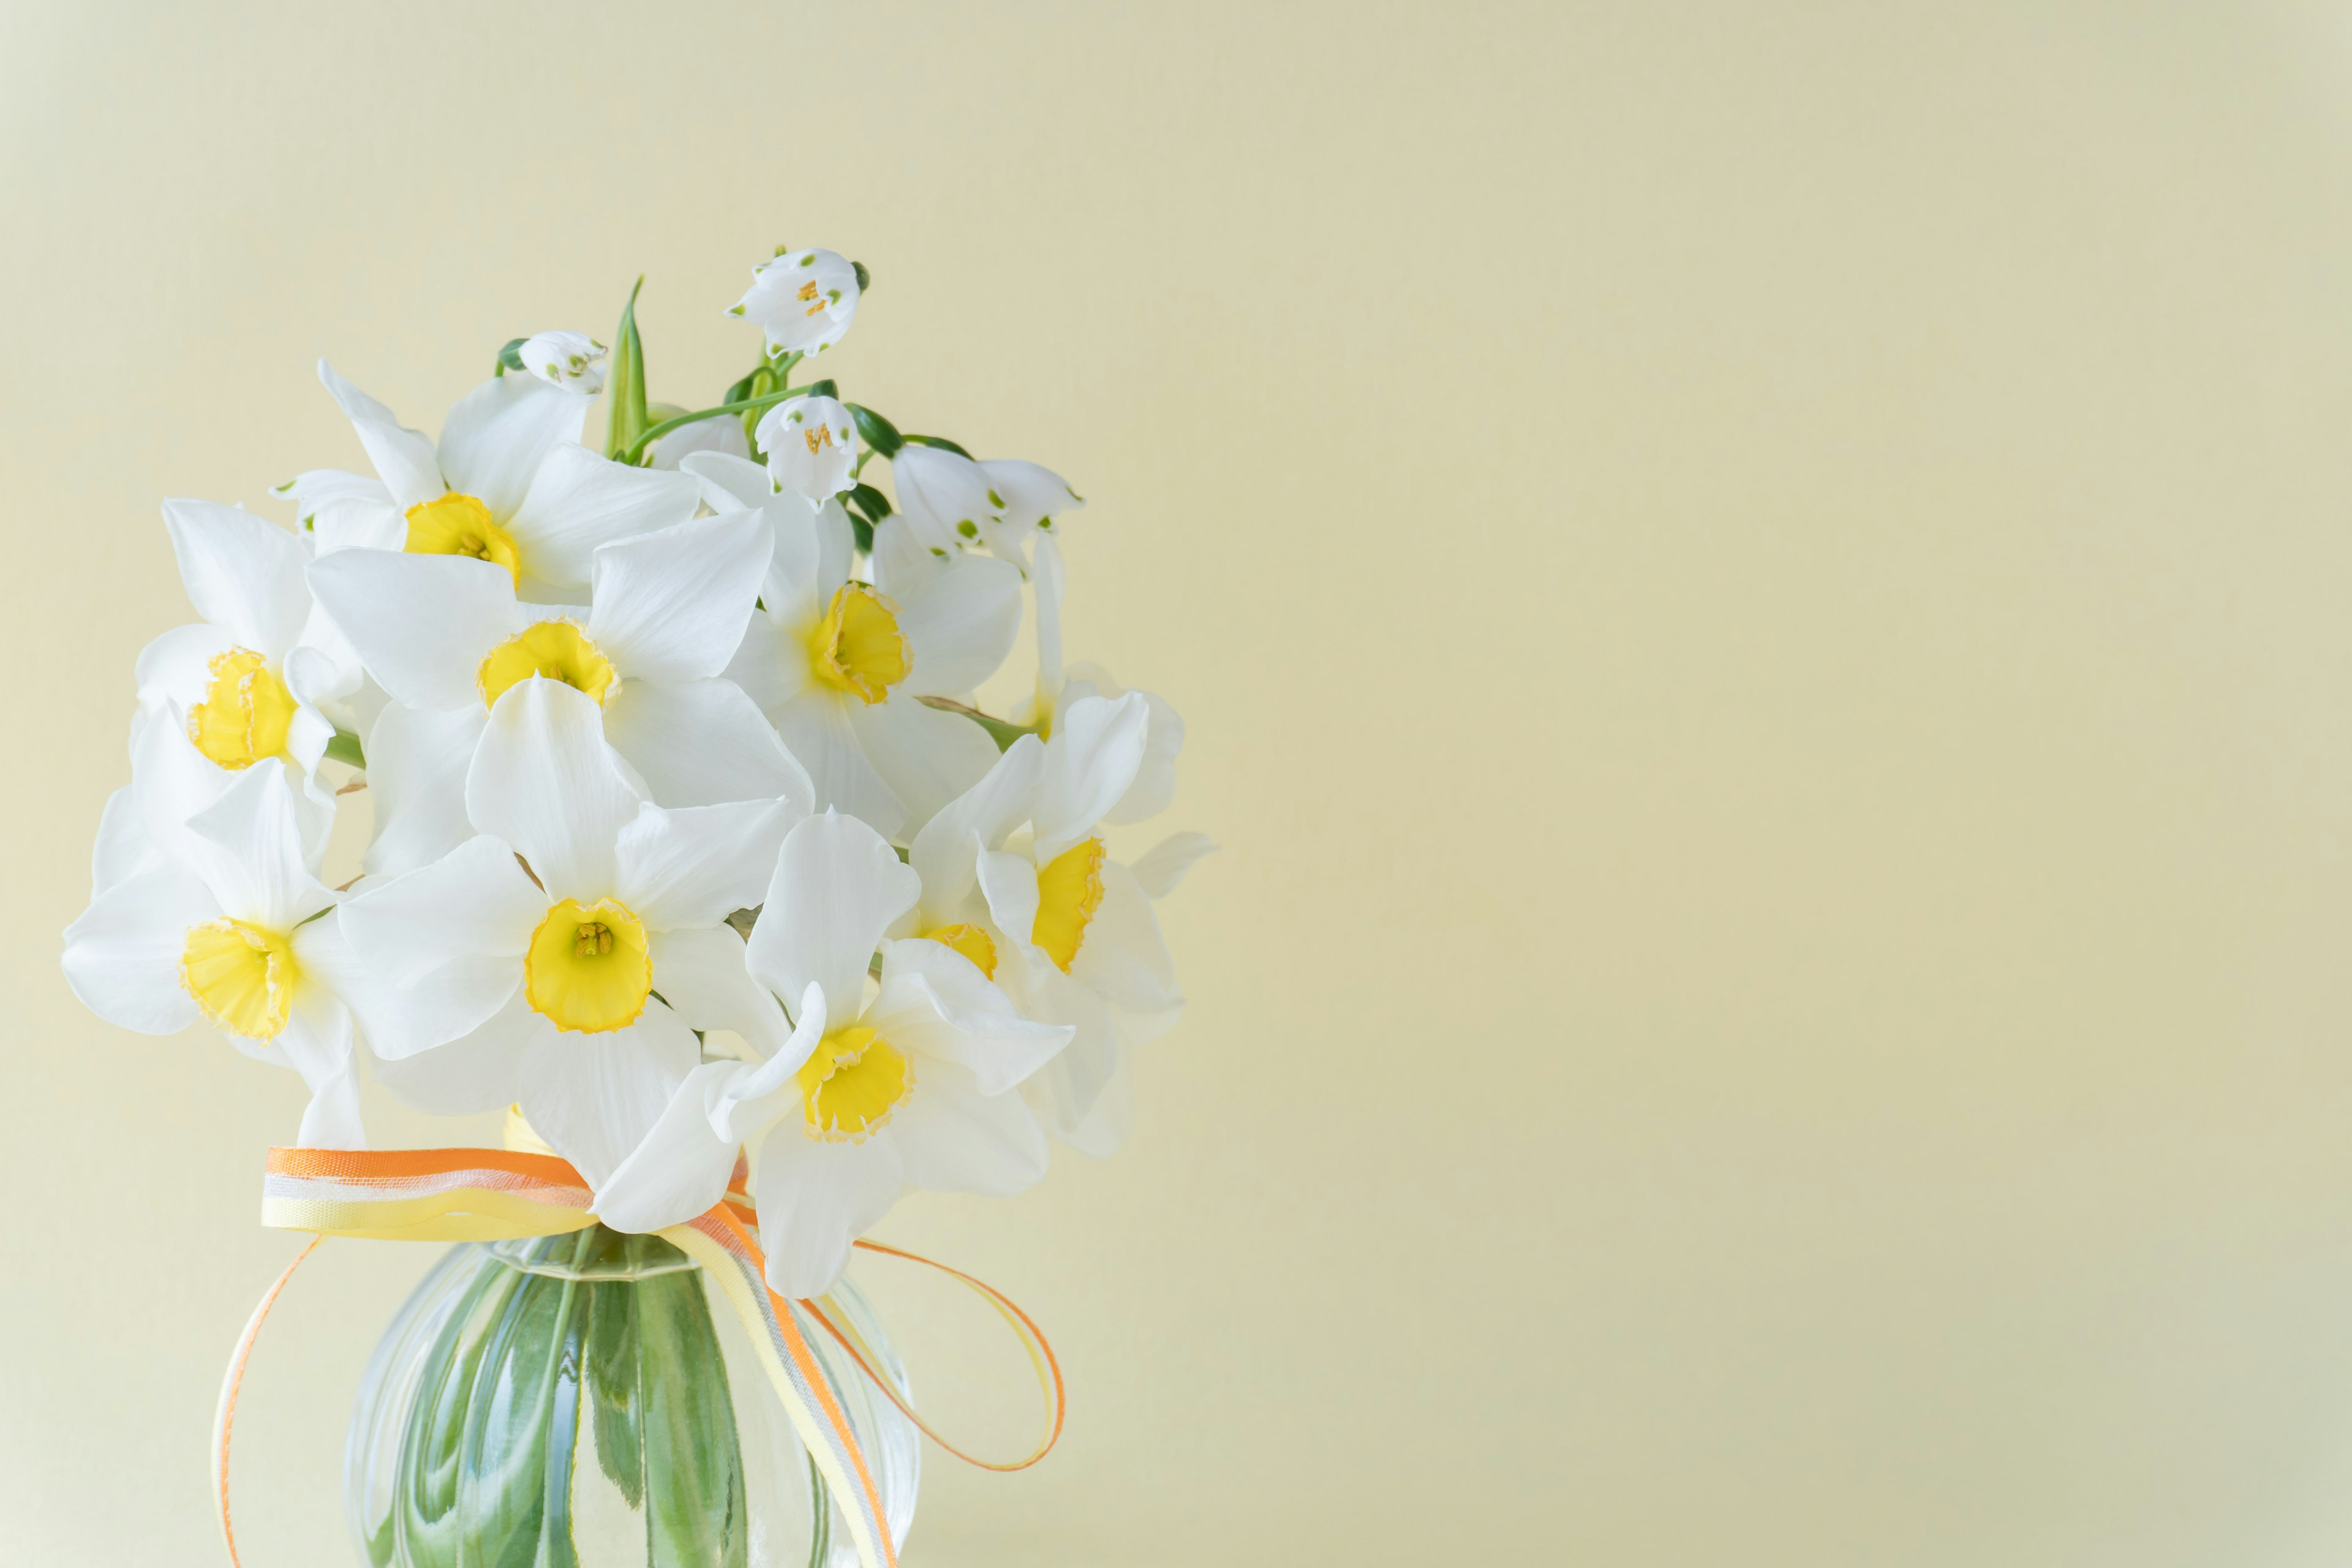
(574, 361)
(839, 665)
(508, 483)
(1155, 777)
(231, 926)
(811, 445)
(910, 1088)
(805, 300)
(1067, 931)
(255, 682)
(449, 640)
(563, 959)
(1002, 503)
(723, 434)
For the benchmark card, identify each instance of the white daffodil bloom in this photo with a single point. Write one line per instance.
(449, 640)
(1163, 738)
(839, 665)
(562, 959)
(1002, 503)
(574, 361)
(1067, 931)
(261, 679)
(508, 483)
(907, 1085)
(225, 929)
(805, 300)
(811, 445)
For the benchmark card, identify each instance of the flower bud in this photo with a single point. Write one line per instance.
(574, 361)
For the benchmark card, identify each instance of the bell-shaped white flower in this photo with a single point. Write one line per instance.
(508, 483)
(811, 445)
(907, 1084)
(1017, 878)
(574, 361)
(839, 665)
(562, 959)
(951, 499)
(229, 926)
(805, 300)
(1163, 742)
(449, 640)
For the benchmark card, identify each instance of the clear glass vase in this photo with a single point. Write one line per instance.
(573, 1402)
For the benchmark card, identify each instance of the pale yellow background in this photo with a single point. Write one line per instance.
(1760, 595)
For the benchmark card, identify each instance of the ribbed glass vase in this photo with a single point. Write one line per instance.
(574, 1402)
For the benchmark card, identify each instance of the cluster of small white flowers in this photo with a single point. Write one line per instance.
(689, 841)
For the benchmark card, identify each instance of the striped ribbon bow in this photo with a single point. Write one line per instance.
(487, 1194)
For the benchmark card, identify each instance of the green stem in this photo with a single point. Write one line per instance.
(638, 448)
(345, 748)
(999, 729)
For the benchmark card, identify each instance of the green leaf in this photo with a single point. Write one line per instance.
(510, 356)
(942, 443)
(625, 383)
(695, 1514)
(424, 1522)
(345, 748)
(876, 431)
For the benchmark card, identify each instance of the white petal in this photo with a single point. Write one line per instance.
(756, 1101)
(123, 956)
(697, 865)
(1051, 580)
(1066, 1091)
(1162, 867)
(580, 500)
(177, 666)
(346, 512)
(594, 1097)
(672, 604)
(496, 439)
(1009, 883)
(926, 757)
(1155, 776)
(702, 742)
(816, 1199)
(772, 663)
(945, 851)
(936, 1002)
(960, 616)
(403, 457)
(544, 781)
(422, 624)
(123, 849)
(728, 481)
(1027, 493)
(816, 727)
(418, 759)
(317, 1043)
(838, 886)
(956, 1138)
(251, 852)
(939, 488)
(1104, 1126)
(483, 1071)
(701, 975)
(777, 301)
(1123, 959)
(1097, 746)
(473, 903)
(721, 437)
(444, 1004)
(811, 445)
(681, 1168)
(242, 572)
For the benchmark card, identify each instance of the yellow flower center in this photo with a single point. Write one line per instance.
(587, 969)
(970, 941)
(241, 976)
(458, 524)
(556, 649)
(1069, 890)
(246, 712)
(858, 647)
(850, 1083)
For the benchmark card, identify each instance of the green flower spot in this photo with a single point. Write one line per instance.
(969, 529)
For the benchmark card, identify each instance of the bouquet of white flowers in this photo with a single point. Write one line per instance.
(690, 841)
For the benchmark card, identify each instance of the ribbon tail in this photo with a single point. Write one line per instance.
(224, 1415)
(730, 1253)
